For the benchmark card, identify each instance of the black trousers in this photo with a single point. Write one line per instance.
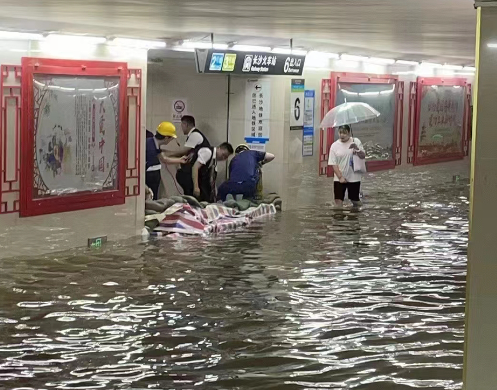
(353, 190)
(152, 180)
(184, 179)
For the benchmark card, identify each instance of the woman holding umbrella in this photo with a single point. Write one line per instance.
(347, 177)
(347, 155)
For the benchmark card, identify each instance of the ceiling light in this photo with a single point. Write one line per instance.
(139, 43)
(251, 48)
(431, 65)
(20, 35)
(377, 60)
(279, 50)
(492, 45)
(181, 48)
(452, 67)
(348, 57)
(348, 64)
(204, 45)
(75, 39)
(321, 54)
(469, 68)
(404, 62)
(297, 52)
(404, 73)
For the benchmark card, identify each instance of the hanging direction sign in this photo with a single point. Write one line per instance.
(249, 63)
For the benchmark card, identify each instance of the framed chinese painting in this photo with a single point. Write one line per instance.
(73, 135)
(440, 120)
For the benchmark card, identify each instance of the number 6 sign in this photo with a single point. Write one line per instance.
(297, 97)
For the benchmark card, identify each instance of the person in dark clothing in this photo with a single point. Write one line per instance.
(166, 132)
(194, 142)
(244, 173)
(204, 171)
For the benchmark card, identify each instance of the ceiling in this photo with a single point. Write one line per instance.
(431, 30)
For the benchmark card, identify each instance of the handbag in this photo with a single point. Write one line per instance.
(358, 164)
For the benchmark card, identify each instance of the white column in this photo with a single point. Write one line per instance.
(480, 365)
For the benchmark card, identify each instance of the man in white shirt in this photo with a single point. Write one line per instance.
(341, 159)
(194, 142)
(205, 171)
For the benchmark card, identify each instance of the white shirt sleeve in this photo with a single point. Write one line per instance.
(193, 140)
(332, 159)
(204, 155)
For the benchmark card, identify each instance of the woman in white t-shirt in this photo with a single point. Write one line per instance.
(346, 180)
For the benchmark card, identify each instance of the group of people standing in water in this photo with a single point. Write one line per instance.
(198, 164)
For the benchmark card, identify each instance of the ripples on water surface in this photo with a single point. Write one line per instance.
(313, 299)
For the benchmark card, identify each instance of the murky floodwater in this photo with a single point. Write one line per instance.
(312, 299)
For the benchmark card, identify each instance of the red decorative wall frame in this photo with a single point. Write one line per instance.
(134, 105)
(329, 89)
(31, 206)
(411, 121)
(415, 113)
(10, 113)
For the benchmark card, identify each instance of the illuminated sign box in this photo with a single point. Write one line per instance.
(249, 63)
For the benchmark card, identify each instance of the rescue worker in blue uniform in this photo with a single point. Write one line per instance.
(166, 132)
(244, 173)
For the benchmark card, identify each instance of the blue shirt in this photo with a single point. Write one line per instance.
(151, 153)
(244, 166)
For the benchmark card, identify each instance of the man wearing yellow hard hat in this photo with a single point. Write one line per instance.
(165, 133)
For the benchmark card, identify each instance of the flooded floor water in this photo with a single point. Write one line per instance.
(314, 298)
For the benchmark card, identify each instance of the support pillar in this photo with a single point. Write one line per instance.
(480, 357)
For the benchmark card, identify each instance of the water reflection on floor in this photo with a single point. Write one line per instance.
(313, 299)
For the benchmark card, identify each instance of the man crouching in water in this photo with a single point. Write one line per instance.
(204, 171)
(244, 173)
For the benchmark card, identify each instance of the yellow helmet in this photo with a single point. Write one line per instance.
(167, 129)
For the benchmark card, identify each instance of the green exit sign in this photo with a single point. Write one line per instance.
(97, 242)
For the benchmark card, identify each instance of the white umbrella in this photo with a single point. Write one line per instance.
(348, 114)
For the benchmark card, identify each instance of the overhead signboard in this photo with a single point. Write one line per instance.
(249, 63)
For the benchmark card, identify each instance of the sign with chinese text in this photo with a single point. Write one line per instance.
(308, 134)
(257, 111)
(179, 109)
(297, 104)
(257, 147)
(238, 62)
(376, 135)
(77, 132)
(440, 123)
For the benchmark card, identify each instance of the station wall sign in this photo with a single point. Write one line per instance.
(297, 96)
(249, 63)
